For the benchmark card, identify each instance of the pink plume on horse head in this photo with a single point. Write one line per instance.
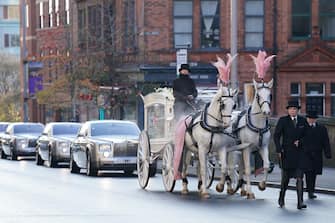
(262, 63)
(223, 68)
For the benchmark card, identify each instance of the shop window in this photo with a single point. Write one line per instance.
(315, 97)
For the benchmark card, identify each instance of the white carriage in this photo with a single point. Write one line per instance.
(156, 141)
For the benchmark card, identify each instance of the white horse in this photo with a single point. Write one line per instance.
(253, 127)
(206, 133)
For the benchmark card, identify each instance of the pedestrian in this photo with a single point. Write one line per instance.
(287, 137)
(184, 92)
(315, 144)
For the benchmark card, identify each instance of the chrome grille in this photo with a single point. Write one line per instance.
(32, 142)
(125, 149)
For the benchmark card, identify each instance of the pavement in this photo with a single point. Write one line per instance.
(325, 183)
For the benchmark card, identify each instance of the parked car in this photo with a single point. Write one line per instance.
(20, 139)
(54, 143)
(105, 145)
(3, 126)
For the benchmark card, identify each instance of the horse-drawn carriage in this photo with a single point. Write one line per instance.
(208, 135)
(156, 142)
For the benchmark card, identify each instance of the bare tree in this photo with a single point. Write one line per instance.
(9, 88)
(9, 73)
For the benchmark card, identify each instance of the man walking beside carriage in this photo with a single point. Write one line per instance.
(288, 136)
(315, 144)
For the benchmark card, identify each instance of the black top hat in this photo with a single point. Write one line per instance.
(293, 104)
(312, 114)
(184, 66)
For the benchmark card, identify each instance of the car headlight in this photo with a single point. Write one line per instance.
(21, 143)
(104, 147)
(63, 146)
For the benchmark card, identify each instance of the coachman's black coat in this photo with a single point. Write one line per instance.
(315, 144)
(286, 133)
(184, 86)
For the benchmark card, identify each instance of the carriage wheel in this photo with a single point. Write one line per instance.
(143, 159)
(234, 180)
(167, 168)
(234, 163)
(210, 173)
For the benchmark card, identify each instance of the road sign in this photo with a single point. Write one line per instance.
(181, 55)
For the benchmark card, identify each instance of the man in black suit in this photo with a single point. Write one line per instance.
(287, 137)
(184, 92)
(315, 142)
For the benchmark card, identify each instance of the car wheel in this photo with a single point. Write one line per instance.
(52, 161)
(128, 172)
(91, 168)
(73, 166)
(13, 155)
(38, 160)
(3, 155)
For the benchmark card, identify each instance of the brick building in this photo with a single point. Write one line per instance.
(138, 40)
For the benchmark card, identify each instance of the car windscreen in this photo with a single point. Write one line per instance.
(65, 129)
(99, 129)
(27, 129)
(3, 127)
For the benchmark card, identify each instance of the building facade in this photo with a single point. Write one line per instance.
(10, 27)
(137, 42)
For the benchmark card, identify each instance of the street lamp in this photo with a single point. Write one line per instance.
(233, 41)
(24, 61)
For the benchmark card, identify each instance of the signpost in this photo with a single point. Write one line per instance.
(181, 55)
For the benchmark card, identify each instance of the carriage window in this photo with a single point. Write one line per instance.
(333, 99)
(315, 97)
(156, 121)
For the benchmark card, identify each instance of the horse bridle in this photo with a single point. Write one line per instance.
(258, 97)
(222, 106)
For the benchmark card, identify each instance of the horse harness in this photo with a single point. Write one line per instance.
(204, 124)
(252, 127)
